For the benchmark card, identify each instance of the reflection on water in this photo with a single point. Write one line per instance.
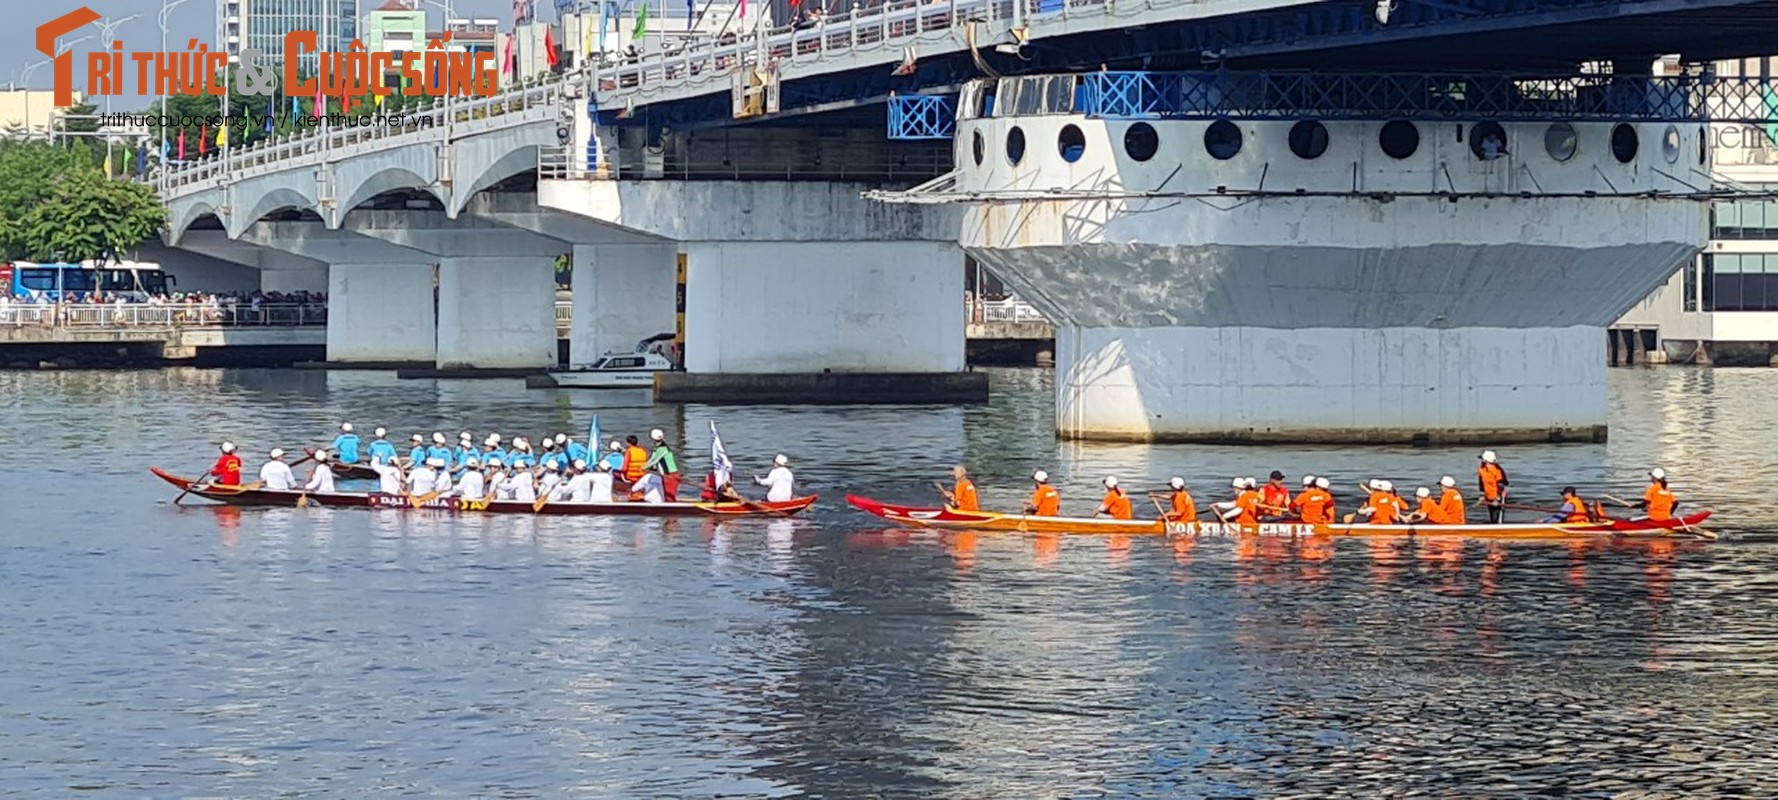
(154, 650)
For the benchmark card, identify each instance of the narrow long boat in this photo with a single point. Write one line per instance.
(953, 519)
(252, 495)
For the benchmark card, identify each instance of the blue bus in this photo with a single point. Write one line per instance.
(84, 282)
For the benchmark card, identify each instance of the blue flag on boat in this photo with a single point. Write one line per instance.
(719, 462)
(592, 437)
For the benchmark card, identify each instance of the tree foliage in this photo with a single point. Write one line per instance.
(56, 205)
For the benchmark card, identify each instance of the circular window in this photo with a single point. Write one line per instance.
(1560, 141)
(1015, 145)
(1222, 140)
(1141, 141)
(1308, 139)
(1670, 145)
(1624, 143)
(1399, 138)
(1071, 143)
(1487, 140)
(980, 144)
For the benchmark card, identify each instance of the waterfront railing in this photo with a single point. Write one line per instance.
(146, 316)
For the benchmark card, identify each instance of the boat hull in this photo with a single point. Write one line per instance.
(239, 496)
(953, 519)
(605, 379)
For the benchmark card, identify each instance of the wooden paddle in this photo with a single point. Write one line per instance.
(542, 500)
(423, 499)
(188, 488)
(950, 499)
(302, 500)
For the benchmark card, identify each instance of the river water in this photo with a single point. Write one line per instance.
(151, 650)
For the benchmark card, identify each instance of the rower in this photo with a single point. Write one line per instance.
(578, 489)
(441, 478)
(1450, 503)
(780, 483)
(552, 474)
(465, 451)
(521, 458)
(1427, 510)
(662, 461)
(1183, 508)
(1657, 499)
(388, 476)
(649, 489)
(472, 485)
(438, 450)
(320, 476)
(421, 478)
(575, 450)
(1383, 506)
(1296, 503)
(380, 450)
(346, 444)
(1248, 502)
(1115, 504)
(1045, 500)
(961, 496)
(416, 457)
(1275, 497)
(1574, 509)
(614, 457)
(635, 460)
(1492, 480)
(276, 474)
(228, 466)
(518, 481)
(601, 484)
(491, 450)
(497, 481)
(548, 456)
(1316, 506)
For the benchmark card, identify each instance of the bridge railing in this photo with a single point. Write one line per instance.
(1010, 309)
(569, 162)
(155, 317)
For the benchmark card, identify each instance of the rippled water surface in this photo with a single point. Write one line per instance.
(151, 650)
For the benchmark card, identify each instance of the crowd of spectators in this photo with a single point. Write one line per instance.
(186, 308)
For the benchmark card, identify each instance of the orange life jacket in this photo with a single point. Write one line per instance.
(1580, 513)
(1491, 476)
(1277, 497)
(1248, 502)
(635, 463)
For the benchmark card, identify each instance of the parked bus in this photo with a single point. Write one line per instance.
(84, 282)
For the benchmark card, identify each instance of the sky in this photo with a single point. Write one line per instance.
(192, 18)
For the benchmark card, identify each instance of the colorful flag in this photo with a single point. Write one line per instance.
(743, 9)
(142, 160)
(222, 135)
(270, 111)
(641, 23)
(719, 462)
(204, 139)
(592, 437)
(603, 4)
(296, 109)
(181, 145)
(549, 47)
(690, 7)
(107, 163)
(320, 102)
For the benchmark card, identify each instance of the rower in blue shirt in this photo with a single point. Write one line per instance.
(574, 450)
(520, 456)
(417, 455)
(439, 450)
(465, 450)
(491, 450)
(345, 445)
(380, 450)
(615, 457)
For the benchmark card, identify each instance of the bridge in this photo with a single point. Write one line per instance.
(720, 191)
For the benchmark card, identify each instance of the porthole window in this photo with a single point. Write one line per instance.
(1559, 141)
(1399, 139)
(1487, 140)
(1222, 140)
(1624, 143)
(1308, 139)
(1141, 142)
(1670, 145)
(1071, 143)
(980, 143)
(1015, 145)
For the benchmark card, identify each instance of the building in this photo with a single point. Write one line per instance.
(397, 26)
(29, 112)
(262, 24)
(479, 35)
(1722, 307)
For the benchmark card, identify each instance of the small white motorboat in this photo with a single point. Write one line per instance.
(619, 370)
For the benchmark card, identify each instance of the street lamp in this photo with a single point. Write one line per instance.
(107, 35)
(450, 119)
(25, 78)
(166, 13)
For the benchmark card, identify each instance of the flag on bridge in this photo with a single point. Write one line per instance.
(204, 139)
(270, 111)
(142, 160)
(181, 145)
(641, 23)
(549, 47)
(320, 101)
(719, 462)
(108, 163)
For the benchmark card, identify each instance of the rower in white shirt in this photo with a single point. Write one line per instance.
(579, 488)
(552, 475)
(388, 477)
(780, 483)
(421, 477)
(601, 483)
(321, 477)
(441, 477)
(276, 474)
(521, 485)
(471, 485)
(649, 486)
(497, 483)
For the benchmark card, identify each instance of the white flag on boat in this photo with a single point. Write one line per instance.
(719, 462)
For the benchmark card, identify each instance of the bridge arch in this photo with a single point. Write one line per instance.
(384, 181)
(481, 167)
(264, 205)
(181, 216)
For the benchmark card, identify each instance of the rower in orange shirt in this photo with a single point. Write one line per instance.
(1573, 508)
(962, 495)
(1427, 511)
(1315, 505)
(1658, 500)
(1245, 509)
(1184, 509)
(1116, 504)
(1275, 497)
(1492, 480)
(1450, 503)
(1045, 501)
(1383, 507)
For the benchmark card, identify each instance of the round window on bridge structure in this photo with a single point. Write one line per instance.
(980, 143)
(1141, 142)
(1399, 139)
(1308, 139)
(1071, 143)
(1015, 145)
(1670, 144)
(1624, 143)
(1222, 140)
(1560, 141)
(1487, 140)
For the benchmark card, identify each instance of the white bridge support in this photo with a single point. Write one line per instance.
(786, 277)
(381, 313)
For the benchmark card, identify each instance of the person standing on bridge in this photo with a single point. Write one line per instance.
(228, 467)
(1492, 479)
(346, 444)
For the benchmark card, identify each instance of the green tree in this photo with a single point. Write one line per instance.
(87, 216)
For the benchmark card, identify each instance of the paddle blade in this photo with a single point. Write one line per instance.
(538, 506)
(302, 500)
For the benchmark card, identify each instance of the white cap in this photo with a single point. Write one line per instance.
(1308, 480)
(277, 452)
(419, 438)
(228, 447)
(1658, 474)
(1040, 476)
(1238, 483)
(464, 435)
(438, 437)
(561, 438)
(470, 461)
(552, 466)
(1177, 483)
(494, 439)
(780, 460)
(1111, 481)
(1385, 486)
(435, 461)
(656, 435)
(1422, 492)
(320, 455)
(580, 463)
(346, 427)
(381, 433)
(1251, 483)
(1447, 481)
(1488, 456)
(616, 445)
(1375, 485)
(605, 465)
(1321, 483)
